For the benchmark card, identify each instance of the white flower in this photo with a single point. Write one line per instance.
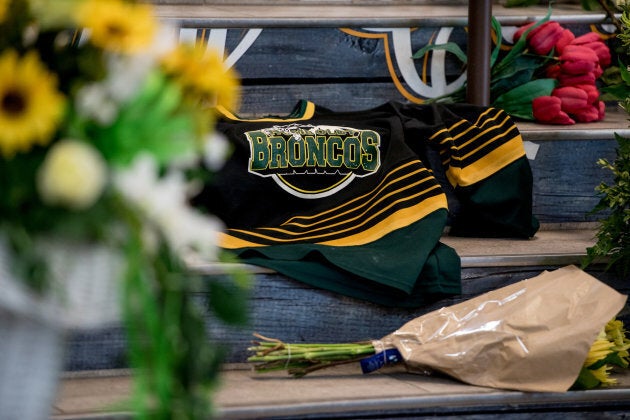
(216, 151)
(94, 101)
(126, 74)
(164, 201)
(73, 175)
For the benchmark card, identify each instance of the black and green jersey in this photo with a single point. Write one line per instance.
(481, 155)
(351, 201)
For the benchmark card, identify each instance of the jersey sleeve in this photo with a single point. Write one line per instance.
(480, 153)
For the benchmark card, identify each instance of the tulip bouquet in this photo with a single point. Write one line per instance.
(551, 332)
(578, 63)
(549, 75)
(103, 117)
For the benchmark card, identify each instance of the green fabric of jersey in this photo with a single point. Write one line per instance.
(369, 272)
(356, 202)
(498, 206)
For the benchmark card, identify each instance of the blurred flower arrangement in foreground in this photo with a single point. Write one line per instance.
(103, 116)
(548, 74)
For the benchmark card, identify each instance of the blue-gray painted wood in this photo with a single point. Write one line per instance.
(322, 64)
(291, 311)
(345, 72)
(565, 176)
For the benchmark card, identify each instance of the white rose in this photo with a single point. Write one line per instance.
(73, 175)
(164, 202)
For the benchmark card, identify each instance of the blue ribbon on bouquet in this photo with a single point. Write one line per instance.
(378, 360)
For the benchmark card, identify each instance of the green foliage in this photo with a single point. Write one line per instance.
(176, 362)
(613, 237)
(586, 380)
(518, 101)
(520, 3)
(591, 5)
(514, 78)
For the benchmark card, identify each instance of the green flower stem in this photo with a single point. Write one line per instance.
(300, 359)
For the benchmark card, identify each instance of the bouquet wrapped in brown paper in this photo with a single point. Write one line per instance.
(533, 335)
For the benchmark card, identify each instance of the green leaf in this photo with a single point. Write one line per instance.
(591, 5)
(522, 62)
(611, 359)
(496, 26)
(518, 47)
(521, 71)
(616, 92)
(625, 74)
(451, 47)
(518, 101)
(586, 380)
(229, 302)
(520, 3)
(504, 84)
(152, 121)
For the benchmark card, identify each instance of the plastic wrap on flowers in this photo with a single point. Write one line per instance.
(31, 349)
(534, 335)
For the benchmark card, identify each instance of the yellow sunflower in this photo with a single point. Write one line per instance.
(603, 375)
(4, 6)
(118, 26)
(599, 350)
(203, 75)
(31, 107)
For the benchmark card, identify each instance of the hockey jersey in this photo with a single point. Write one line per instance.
(356, 202)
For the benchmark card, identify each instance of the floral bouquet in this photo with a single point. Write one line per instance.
(549, 75)
(547, 333)
(103, 118)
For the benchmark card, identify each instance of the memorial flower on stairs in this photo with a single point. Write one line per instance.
(575, 64)
(543, 57)
(491, 340)
(103, 118)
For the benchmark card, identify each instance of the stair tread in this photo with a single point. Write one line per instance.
(550, 246)
(343, 389)
(338, 15)
(615, 121)
(547, 247)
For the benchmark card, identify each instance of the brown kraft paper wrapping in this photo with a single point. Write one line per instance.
(533, 335)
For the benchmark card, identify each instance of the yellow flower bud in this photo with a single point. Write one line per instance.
(73, 175)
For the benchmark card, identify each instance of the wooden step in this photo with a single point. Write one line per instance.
(343, 392)
(552, 246)
(284, 308)
(358, 14)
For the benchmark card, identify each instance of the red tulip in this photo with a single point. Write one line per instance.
(602, 51)
(543, 38)
(601, 107)
(588, 114)
(573, 99)
(578, 66)
(574, 80)
(519, 32)
(548, 109)
(591, 91)
(578, 53)
(587, 38)
(566, 38)
(553, 71)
